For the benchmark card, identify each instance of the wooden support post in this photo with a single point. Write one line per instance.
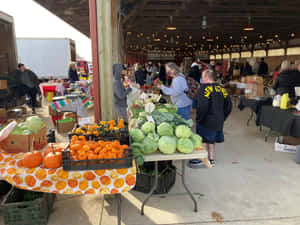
(105, 58)
(115, 11)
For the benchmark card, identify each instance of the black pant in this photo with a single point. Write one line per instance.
(32, 92)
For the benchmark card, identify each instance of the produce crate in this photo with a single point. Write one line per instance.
(122, 135)
(22, 207)
(99, 164)
(166, 180)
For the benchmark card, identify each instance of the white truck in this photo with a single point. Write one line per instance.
(47, 57)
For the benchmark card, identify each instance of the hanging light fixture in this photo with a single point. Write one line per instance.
(249, 27)
(171, 27)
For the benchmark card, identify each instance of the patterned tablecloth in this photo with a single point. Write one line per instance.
(65, 182)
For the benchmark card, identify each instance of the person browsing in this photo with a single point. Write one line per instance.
(178, 90)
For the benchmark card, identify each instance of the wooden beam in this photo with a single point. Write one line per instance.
(105, 58)
(115, 9)
(95, 59)
(140, 4)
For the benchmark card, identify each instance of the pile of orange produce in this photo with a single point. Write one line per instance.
(81, 149)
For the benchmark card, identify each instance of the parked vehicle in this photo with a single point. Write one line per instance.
(47, 57)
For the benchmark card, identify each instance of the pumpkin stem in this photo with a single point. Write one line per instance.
(53, 149)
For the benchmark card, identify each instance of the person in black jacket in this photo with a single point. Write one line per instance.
(195, 72)
(213, 107)
(73, 76)
(263, 68)
(140, 75)
(162, 73)
(287, 80)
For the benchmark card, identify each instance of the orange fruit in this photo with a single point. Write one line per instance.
(60, 185)
(89, 175)
(30, 180)
(105, 180)
(119, 183)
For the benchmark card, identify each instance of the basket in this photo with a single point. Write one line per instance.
(22, 207)
(166, 180)
(99, 164)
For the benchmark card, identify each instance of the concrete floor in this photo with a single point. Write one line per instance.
(250, 185)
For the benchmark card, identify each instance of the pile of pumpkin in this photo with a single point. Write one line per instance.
(51, 159)
(81, 149)
(101, 129)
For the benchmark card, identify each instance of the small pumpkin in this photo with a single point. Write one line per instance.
(121, 124)
(50, 149)
(53, 160)
(32, 159)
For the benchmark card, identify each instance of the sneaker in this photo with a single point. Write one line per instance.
(213, 162)
(196, 163)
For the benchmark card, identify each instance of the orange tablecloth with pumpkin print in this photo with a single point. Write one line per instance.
(65, 182)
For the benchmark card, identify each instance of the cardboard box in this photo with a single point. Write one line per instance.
(14, 114)
(17, 143)
(280, 147)
(65, 127)
(3, 115)
(40, 139)
(3, 84)
(71, 115)
(255, 90)
(287, 140)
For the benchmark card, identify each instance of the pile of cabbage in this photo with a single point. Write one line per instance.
(163, 131)
(31, 125)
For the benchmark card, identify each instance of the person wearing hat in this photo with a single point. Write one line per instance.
(29, 83)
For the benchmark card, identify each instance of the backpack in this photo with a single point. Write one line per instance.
(193, 86)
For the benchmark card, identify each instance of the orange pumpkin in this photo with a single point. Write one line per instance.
(50, 149)
(32, 159)
(53, 160)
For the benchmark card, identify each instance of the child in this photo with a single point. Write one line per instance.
(213, 107)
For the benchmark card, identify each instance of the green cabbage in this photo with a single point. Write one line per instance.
(34, 123)
(162, 110)
(197, 141)
(150, 145)
(185, 145)
(165, 129)
(167, 145)
(154, 136)
(148, 127)
(183, 131)
(136, 135)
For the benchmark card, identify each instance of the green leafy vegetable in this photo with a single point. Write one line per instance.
(153, 136)
(136, 135)
(197, 141)
(165, 129)
(183, 131)
(34, 123)
(150, 145)
(167, 145)
(148, 127)
(185, 145)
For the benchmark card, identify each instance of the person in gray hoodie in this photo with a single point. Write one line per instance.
(120, 93)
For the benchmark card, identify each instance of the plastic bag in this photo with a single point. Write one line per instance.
(132, 96)
(7, 130)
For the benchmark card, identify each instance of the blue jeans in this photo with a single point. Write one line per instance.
(185, 112)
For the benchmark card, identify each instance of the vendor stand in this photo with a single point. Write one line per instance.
(255, 105)
(52, 87)
(286, 122)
